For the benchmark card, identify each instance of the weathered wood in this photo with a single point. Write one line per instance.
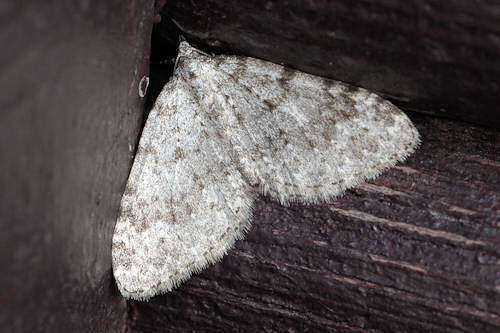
(415, 250)
(418, 249)
(70, 117)
(433, 56)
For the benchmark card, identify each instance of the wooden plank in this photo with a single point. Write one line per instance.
(415, 250)
(432, 56)
(71, 115)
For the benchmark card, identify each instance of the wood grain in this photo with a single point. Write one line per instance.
(432, 56)
(70, 117)
(418, 249)
(415, 250)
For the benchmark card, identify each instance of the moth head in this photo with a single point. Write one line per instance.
(186, 50)
(186, 57)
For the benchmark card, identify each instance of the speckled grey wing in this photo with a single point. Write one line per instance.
(185, 203)
(301, 137)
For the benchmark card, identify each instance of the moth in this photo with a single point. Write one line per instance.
(223, 126)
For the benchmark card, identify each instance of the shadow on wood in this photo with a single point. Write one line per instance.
(437, 57)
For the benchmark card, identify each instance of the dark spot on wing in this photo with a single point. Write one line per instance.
(130, 189)
(241, 67)
(287, 74)
(270, 104)
(311, 143)
(239, 118)
(192, 75)
(126, 213)
(379, 100)
(196, 177)
(140, 224)
(217, 61)
(179, 153)
(189, 209)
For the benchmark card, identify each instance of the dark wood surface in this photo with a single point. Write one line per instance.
(434, 56)
(417, 249)
(70, 118)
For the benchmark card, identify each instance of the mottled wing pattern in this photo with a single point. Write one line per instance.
(185, 203)
(301, 137)
(222, 125)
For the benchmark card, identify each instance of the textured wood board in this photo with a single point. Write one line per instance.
(433, 56)
(70, 118)
(415, 250)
